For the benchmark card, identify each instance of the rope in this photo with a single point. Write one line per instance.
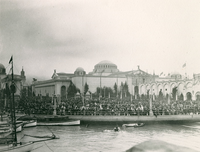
(36, 148)
(22, 137)
(48, 146)
(50, 130)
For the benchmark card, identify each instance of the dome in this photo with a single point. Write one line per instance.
(2, 66)
(175, 73)
(2, 69)
(79, 69)
(105, 62)
(105, 68)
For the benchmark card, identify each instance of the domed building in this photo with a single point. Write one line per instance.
(104, 74)
(5, 79)
(2, 69)
(79, 71)
(104, 68)
(2, 74)
(175, 75)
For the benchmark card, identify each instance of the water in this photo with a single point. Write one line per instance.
(102, 137)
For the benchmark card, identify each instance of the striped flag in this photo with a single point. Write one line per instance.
(184, 65)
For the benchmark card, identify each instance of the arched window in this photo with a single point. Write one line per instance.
(189, 96)
(63, 92)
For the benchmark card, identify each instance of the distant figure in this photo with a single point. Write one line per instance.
(87, 126)
(117, 128)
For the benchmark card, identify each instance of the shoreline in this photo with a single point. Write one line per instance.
(160, 118)
(100, 119)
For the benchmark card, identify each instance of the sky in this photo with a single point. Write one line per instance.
(159, 36)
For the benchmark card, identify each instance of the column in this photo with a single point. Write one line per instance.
(150, 106)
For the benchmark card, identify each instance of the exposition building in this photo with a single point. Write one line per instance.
(106, 74)
(6, 80)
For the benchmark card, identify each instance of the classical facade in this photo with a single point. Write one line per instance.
(2, 74)
(6, 79)
(187, 89)
(104, 74)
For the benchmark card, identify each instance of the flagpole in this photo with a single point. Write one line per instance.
(13, 101)
(131, 86)
(186, 70)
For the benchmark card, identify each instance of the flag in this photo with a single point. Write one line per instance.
(184, 65)
(11, 59)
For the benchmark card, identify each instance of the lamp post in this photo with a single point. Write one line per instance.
(82, 91)
(100, 83)
(150, 106)
(117, 85)
(54, 104)
(104, 92)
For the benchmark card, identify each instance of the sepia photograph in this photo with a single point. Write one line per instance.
(99, 76)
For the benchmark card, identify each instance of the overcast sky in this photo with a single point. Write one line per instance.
(44, 35)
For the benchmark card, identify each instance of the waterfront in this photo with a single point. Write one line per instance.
(94, 137)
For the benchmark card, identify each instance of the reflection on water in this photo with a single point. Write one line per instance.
(103, 138)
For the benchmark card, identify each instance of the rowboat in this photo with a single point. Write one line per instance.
(60, 123)
(11, 144)
(30, 123)
(5, 133)
(18, 148)
(133, 125)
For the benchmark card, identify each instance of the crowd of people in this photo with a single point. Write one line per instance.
(112, 106)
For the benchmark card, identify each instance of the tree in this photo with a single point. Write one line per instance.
(71, 91)
(98, 90)
(115, 88)
(174, 90)
(160, 94)
(125, 89)
(86, 88)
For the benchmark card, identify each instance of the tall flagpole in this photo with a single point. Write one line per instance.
(117, 84)
(185, 71)
(13, 101)
(132, 86)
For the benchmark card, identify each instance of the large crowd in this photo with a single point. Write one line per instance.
(113, 106)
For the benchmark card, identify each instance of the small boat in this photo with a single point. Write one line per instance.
(11, 144)
(28, 121)
(116, 129)
(46, 136)
(58, 121)
(133, 125)
(4, 124)
(18, 147)
(19, 127)
(5, 133)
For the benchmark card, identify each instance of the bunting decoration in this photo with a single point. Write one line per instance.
(184, 65)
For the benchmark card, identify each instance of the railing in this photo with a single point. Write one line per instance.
(116, 112)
